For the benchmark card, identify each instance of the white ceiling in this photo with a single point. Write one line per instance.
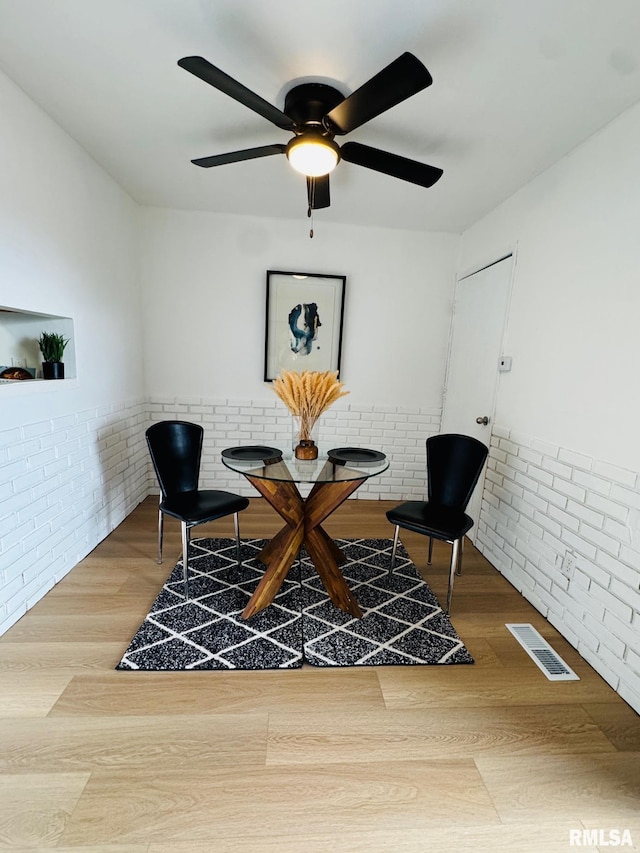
(517, 84)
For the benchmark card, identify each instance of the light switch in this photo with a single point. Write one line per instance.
(504, 363)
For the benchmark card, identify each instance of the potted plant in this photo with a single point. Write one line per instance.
(52, 348)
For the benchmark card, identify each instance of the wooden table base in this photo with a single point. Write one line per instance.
(303, 528)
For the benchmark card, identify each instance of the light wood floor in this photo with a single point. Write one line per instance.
(463, 758)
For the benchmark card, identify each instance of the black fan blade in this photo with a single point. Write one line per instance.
(390, 164)
(318, 192)
(404, 77)
(238, 156)
(219, 80)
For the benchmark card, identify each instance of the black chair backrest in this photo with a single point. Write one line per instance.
(454, 463)
(176, 448)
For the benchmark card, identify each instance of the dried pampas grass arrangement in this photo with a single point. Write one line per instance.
(308, 394)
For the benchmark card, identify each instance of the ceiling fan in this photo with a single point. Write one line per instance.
(316, 113)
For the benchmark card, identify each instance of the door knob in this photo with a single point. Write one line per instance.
(484, 420)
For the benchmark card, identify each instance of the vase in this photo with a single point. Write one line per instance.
(304, 447)
(53, 370)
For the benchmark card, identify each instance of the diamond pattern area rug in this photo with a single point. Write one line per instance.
(402, 623)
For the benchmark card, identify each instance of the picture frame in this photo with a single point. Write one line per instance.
(304, 320)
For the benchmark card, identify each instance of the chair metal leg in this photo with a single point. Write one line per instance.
(455, 556)
(461, 552)
(185, 557)
(395, 548)
(236, 527)
(430, 550)
(160, 535)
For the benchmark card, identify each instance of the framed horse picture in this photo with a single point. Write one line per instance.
(303, 322)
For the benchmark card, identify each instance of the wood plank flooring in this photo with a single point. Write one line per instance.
(489, 757)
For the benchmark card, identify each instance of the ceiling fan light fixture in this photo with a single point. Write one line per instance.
(313, 156)
(314, 113)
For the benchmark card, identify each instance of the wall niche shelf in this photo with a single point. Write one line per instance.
(20, 331)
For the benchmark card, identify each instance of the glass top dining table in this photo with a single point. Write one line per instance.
(324, 469)
(334, 476)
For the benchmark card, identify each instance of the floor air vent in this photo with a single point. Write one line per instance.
(541, 652)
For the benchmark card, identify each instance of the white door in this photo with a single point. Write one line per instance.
(480, 311)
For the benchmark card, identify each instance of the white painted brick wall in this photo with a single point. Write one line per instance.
(541, 501)
(65, 483)
(400, 432)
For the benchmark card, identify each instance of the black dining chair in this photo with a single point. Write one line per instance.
(176, 450)
(454, 464)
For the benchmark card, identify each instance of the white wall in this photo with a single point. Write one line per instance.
(564, 471)
(68, 244)
(204, 291)
(70, 455)
(573, 328)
